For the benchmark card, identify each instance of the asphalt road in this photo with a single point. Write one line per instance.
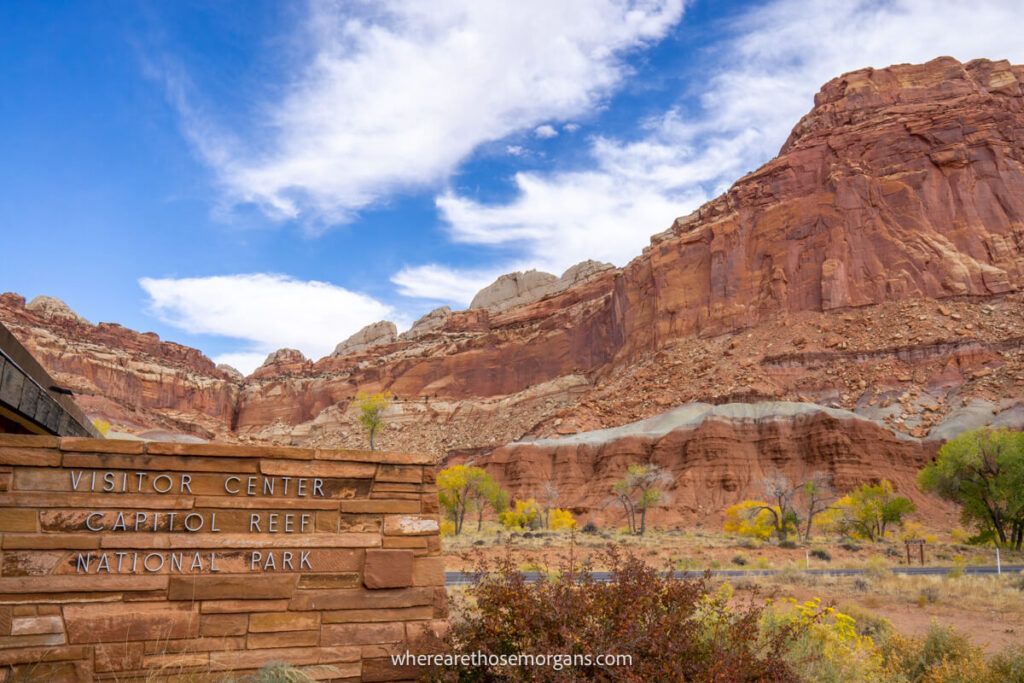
(464, 578)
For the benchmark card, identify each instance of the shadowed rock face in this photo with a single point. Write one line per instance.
(876, 265)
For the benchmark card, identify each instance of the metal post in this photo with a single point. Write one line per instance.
(999, 563)
(807, 555)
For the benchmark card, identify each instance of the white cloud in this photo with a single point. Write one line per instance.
(441, 283)
(775, 59)
(514, 150)
(243, 361)
(398, 93)
(266, 311)
(545, 131)
(571, 127)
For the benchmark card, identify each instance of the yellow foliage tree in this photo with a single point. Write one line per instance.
(562, 519)
(749, 518)
(371, 413)
(101, 425)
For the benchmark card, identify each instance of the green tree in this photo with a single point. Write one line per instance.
(871, 509)
(639, 490)
(371, 413)
(983, 472)
(462, 488)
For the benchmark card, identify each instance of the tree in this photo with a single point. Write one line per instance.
(781, 495)
(462, 488)
(371, 413)
(548, 499)
(741, 521)
(983, 472)
(816, 494)
(869, 510)
(639, 490)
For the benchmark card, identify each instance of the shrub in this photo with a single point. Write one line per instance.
(787, 544)
(525, 514)
(929, 594)
(674, 629)
(850, 546)
(739, 560)
(821, 554)
(589, 528)
(943, 656)
(1008, 665)
(447, 528)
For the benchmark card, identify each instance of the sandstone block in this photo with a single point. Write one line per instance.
(361, 599)
(269, 622)
(33, 656)
(121, 622)
(207, 450)
(407, 474)
(28, 441)
(414, 542)
(226, 587)
(283, 639)
(89, 445)
(362, 634)
(341, 580)
(25, 626)
(297, 656)
(394, 506)
(407, 525)
(388, 569)
(213, 625)
(336, 470)
(160, 462)
(233, 606)
(37, 457)
(428, 571)
(12, 519)
(46, 541)
(118, 656)
(369, 615)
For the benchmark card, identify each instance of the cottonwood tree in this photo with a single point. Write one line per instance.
(462, 488)
(983, 471)
(371, 413)
(816, 495)
(640, 489)
(781, 496)
(871, 509)
(548, 500)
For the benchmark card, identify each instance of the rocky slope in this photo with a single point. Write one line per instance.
(876, 265)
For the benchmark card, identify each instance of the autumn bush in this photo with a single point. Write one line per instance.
(674, 629)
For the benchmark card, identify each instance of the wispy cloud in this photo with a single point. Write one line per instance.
(264, 311)
(775, 59)
(399, 93)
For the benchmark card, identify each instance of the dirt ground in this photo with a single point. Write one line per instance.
(988, 609)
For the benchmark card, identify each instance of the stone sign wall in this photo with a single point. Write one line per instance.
(123, 557)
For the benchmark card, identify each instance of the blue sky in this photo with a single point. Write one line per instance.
(245, 176)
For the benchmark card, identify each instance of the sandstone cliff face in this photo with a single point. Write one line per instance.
(901, 183)
(875, 265)
(133, 379)
(717, 456)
